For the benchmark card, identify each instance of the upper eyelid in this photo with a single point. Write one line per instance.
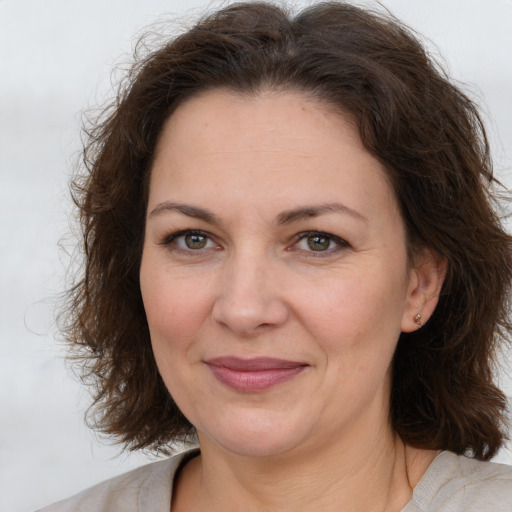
(183, 232)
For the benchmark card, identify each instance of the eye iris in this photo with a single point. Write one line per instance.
(318, 243)
(195, 241)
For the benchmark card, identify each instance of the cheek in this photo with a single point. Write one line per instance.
(175, 316)
(357, 327)
(356, 323)
(173, 310)
(354, 306)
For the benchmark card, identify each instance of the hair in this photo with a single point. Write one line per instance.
(426, 133)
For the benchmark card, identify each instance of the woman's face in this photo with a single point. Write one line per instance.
(274, 272)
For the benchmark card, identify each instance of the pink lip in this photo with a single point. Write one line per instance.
(253, 375)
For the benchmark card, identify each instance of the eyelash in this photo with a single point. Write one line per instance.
(340, 243)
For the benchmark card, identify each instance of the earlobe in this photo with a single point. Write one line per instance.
(425, 284)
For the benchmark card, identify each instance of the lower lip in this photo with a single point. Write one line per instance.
(254, 381)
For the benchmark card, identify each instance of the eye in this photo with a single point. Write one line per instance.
(190, 240)
(319, 242)
(194, 241)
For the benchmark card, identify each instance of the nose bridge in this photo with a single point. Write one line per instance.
(249, 295)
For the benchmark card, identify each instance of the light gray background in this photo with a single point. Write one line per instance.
(55, 60)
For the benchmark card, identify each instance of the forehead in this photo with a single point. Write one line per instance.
(215, 114)
(273, 147)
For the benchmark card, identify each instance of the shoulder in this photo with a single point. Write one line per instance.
(458, 483)
(148, 488)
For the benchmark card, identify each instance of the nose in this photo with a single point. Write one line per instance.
(250, 298)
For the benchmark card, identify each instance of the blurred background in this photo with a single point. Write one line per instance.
(56, 59)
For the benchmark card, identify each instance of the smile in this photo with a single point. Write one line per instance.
(253, 375)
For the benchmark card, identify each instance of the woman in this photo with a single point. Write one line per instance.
(292, 260)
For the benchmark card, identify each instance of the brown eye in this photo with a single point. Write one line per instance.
(195, 241)
(318, 242)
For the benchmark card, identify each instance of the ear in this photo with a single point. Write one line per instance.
(425, 282)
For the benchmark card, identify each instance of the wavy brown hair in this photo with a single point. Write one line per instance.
(427, 134)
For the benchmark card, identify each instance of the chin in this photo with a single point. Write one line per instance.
(255, 437)
(257, 445)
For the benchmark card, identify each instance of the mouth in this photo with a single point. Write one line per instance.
(254, 375)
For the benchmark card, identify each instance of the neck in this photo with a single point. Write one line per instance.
(375, 476)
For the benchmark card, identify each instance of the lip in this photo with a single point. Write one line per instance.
(254, 375)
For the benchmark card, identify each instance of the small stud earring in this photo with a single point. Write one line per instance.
(417, 319)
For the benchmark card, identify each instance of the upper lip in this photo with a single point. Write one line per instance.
(253, 364)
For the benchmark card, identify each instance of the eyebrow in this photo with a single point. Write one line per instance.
(286, 217)
(306, 212)
(185, 209)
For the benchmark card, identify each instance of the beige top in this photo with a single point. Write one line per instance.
(452, 483)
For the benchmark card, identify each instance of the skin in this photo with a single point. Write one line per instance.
(252, 175)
